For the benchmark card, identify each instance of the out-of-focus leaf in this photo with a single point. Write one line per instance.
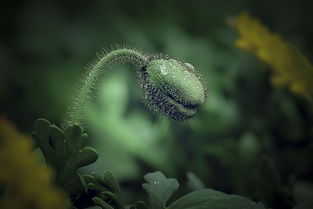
(194, 182)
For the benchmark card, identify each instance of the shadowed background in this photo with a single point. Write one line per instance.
(250, 138)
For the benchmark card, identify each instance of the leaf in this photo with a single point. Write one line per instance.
(66, 152)
(159, 188)
(137, 205)
(108, 193)
(141, 205)
(211, 199)
(194, 182)
(99, 202)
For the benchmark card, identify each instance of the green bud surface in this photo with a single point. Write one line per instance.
(174, 88)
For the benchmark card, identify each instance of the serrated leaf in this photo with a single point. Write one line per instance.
(159, 188)
(66, 151)
(107, 190)
(211, 199)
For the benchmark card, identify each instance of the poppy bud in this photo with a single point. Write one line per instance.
(173, 88)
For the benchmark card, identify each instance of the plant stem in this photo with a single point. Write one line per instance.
(75, 114)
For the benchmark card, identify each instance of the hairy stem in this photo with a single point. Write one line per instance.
(76, 111)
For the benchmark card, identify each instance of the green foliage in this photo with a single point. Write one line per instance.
(66, 151)
(160, 189)
(139, 205)
(194, 182)
(211, 199)
(106, 189)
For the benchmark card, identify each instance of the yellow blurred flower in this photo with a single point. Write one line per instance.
(28, 183)
(290, 67)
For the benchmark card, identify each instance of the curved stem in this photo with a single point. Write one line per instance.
(75, 113)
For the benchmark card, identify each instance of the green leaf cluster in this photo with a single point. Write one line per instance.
(160, 189)
(66, 151)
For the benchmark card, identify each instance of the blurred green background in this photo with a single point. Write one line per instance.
(249, 139)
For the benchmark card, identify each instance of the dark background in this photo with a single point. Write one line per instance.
(249, 139)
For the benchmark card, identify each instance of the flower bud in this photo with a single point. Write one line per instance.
(173, 88)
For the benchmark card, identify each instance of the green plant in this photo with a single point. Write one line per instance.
(171, 87)
(65, 151)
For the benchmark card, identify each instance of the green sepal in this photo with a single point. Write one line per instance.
(66, 151)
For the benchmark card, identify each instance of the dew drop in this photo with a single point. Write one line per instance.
(163, 69)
